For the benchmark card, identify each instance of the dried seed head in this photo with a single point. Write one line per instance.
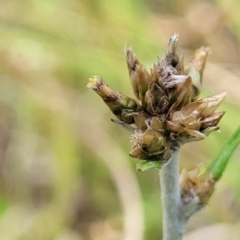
(166, 113)
(194, 186)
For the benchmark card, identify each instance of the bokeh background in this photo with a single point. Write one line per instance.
(65, 173)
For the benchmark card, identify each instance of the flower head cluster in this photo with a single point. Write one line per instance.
(165, 112)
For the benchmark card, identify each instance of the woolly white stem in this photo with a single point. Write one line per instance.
(174, 221)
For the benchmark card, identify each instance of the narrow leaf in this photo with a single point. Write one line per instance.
(218, 165)
(143, 165)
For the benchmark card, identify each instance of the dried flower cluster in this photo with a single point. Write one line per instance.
(166, 112)
(195, 186)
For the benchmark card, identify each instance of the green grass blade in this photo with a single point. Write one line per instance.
(218, 165)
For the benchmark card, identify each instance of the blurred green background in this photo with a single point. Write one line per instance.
(65, 173)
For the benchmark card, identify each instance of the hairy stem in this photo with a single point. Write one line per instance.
(174, 222)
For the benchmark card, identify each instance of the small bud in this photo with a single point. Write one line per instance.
(171, 60)
(137, 152)
(150, 144)
(100, 87)
(116, 101)
(156, 99)
(140, 119)
(139, 77)
(172, 57)
(152, 141)
(195, 69)
(154, 74)
(195, 187)
(181, 95)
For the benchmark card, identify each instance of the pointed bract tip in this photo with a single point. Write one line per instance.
(203, 51)
(172, 45)
(126, 49)
(222, 95)
(215, 100)
(174, 39)
(95, 82)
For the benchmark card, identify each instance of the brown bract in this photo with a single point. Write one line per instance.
(195, 186)
(166, 112)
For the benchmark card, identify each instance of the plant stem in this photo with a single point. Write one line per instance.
(173, 218)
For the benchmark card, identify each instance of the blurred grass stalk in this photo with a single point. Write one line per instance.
(218, 165)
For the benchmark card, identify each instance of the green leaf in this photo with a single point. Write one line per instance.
(218, 165)
(143, 165)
